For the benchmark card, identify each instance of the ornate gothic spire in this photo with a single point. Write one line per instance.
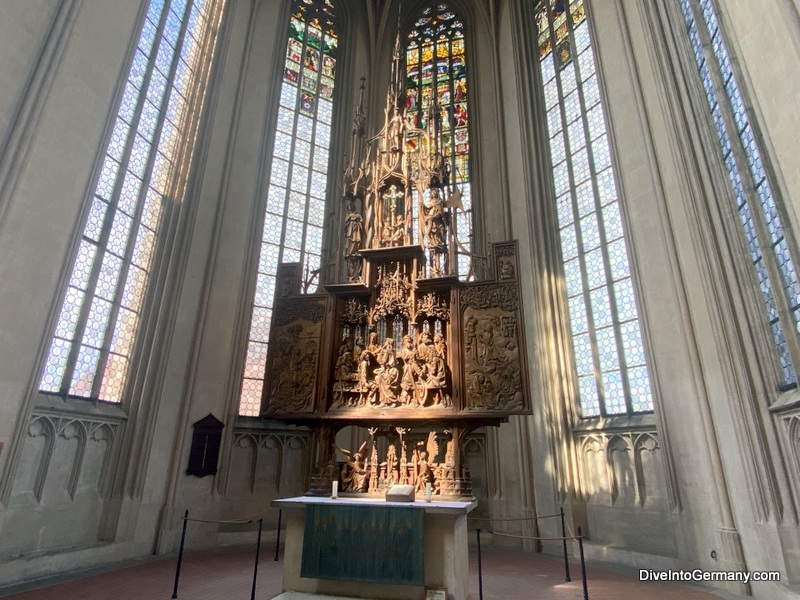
(402, 195)
(354, 172)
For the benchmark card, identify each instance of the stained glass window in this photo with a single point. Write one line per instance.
(436, 69)
(756, 205)
(295, 203)
(609, 356)
(102, 307)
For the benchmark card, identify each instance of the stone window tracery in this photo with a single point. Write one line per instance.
(759, 212)
(295, 204)
(609, 356)
(143, 167)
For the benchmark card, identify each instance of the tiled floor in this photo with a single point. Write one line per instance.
(507, 575)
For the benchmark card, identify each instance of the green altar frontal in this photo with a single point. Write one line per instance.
(370, 548)
(364, 543)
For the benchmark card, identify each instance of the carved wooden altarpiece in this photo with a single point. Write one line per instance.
(401, 347)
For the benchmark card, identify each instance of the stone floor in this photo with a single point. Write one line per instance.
(228, 575)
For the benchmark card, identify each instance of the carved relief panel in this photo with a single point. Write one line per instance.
(294, 357)
(399, 343)
(493, 356)
(492, 365)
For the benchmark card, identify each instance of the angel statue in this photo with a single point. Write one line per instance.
(354, 476)
(424, 469)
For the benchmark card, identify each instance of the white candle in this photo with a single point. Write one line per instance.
(428, 492)
(335, 490)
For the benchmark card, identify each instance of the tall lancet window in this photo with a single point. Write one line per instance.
(295, 204)
(436, 72)
(759, 213)
(144, 169)
(609, 355)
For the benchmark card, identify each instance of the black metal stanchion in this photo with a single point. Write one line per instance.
(180, 554)
(255, 568)
(583, 565)
(480, 572)
(278, 539)
(564, 540)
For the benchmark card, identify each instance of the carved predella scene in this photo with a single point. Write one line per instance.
(402, 347)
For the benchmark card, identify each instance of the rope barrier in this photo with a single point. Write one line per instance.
(516, 519)
(579, 537)
(527, 537)
(548, 516)
(533, 510)
(536, 518)
(235, 522)
(493, 519)
(250, 519)
(572, 533)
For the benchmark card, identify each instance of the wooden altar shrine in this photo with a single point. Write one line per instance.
(397, 344)
(418, 362)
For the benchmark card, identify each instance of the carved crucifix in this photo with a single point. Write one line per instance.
(393, 226)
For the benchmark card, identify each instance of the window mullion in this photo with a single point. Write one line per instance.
(451, 145)
(146, 178)
(298, 101)
(619, 342)
(108, 218)
(751, 196)
(450, 151)
(576, 218)
(309, 166)
(290, 162)
(310, 163)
